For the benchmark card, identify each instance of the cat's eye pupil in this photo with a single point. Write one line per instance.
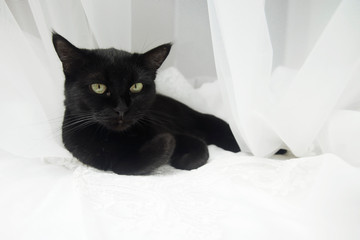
(98, 88)
(136, 88)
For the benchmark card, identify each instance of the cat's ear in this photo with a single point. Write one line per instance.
(70, 56)
(155, 57)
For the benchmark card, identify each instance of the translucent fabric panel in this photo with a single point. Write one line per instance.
(341, 135)
(263, 118)
(315, 91)
(243, 57)
(28, 95)
(66, 17)
(110, 22)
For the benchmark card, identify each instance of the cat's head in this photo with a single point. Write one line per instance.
(108, 86)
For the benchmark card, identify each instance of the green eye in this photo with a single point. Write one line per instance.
(137, 87)
(98, 88)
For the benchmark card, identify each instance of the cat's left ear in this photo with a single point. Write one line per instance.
(70, 56)
(155, 57)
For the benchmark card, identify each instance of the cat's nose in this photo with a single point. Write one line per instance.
(120, 117)
(121, 113)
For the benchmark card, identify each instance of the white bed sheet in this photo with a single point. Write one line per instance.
(234, 196)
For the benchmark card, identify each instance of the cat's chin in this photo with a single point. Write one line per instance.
(119, 127)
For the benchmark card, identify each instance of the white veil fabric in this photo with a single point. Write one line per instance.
(31, 102)
(316, 110)
(313, 110)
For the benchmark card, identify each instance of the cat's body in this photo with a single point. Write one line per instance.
(114, 120)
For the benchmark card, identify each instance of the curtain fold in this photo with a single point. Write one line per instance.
(29, 96)
(264, 119)
(323, 78)
(243, 58)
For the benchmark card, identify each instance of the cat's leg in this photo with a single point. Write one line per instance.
(218, 132)
(149, 157)
(190, 152)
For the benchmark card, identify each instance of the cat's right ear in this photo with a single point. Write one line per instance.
(70, 56)
(155, 57)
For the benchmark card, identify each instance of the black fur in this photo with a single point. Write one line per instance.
(131, 133)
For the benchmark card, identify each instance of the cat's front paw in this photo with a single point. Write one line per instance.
(190, 153)
(161, 147)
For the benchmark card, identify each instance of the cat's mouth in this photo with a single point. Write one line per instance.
(119, 124)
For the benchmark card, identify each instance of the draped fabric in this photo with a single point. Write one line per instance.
(317, 107)
(31, 103)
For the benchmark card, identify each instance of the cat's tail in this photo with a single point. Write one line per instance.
(281, 152)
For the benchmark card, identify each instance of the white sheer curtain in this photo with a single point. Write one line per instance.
(310, 111)
(31, 75)
(317, 110)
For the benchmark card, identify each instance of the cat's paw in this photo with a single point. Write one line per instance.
(151, 156)
(160, 148)
(190, 153)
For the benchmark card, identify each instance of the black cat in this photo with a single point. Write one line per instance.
(114, 120)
